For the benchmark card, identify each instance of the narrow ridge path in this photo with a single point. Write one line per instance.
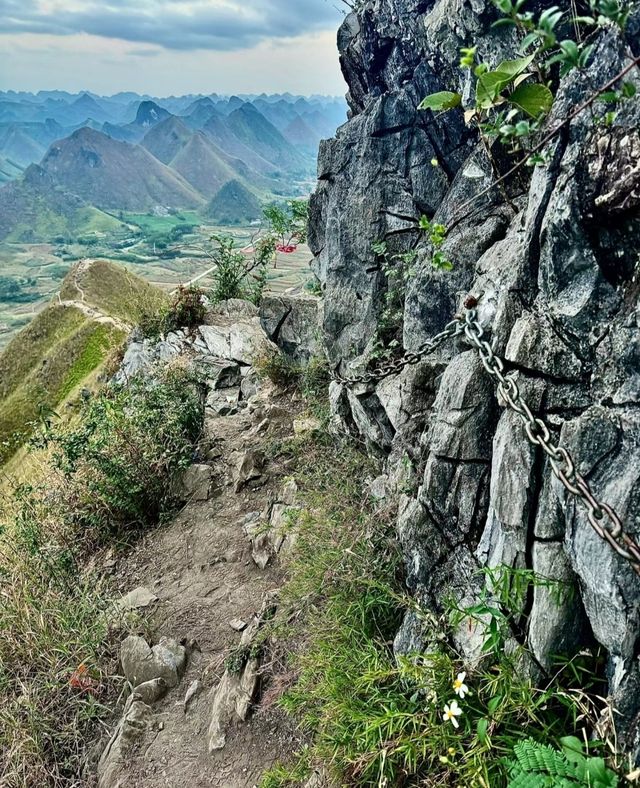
(201, 569)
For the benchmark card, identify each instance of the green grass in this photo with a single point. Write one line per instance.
(50, 223)
(151, 224)
(103, 478)
(61, 347)
(114, 291)
(58, 370)
(96, 348)
(34, 342)
(374, 719)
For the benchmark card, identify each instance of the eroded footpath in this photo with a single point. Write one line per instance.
(206, 583)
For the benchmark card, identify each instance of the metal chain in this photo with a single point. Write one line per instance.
(452, 329)
(602, 518)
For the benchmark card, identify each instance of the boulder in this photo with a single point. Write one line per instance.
(242, 340)
(196, 482)
(142, 663)
(293, 322)
(248, 468)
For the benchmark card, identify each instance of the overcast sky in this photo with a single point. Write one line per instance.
(165, 47)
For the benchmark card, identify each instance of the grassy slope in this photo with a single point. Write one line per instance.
(113, 290)
(63, 363)
(49, 224)
(62, 347)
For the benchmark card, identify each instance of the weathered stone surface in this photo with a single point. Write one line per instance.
(233, 695)
(221, 374)
(305, 424)
(222, 402)
(249, 468)
(555, 270)
(232, 307)
(293, 322)
(242, 340)
(557, 623)
(196, 482)
(138, 598)
(149, 691)
(141, 663)
(137, 717)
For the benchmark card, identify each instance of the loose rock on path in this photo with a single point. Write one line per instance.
(212, 597)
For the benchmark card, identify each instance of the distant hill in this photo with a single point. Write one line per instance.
(66, 344)
(197, 158)
(30, 123)
(233, 204)
(115, 175)
(9, 171)
(299, 133)
(18, 145)
(219, 130)
(36, 208)
(261, 136)
(167, 139)
(148, 115)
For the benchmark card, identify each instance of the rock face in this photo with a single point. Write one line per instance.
(555, 270)
(293, 323)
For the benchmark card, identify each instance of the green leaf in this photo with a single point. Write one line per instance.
(572, 748)
(494, 703)
(529, 39)
(483, 724)
(628, 89)
(534, 99)
(489, 86)
(515, 67)
(442, 100)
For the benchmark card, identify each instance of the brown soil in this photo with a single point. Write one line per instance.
(201, 569)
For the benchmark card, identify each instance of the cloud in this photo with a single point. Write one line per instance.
(223, 25)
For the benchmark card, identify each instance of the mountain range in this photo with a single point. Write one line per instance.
(71, 156)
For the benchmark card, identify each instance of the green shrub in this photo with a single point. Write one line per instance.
(118, 463)
(236, 274)
(280, 369)
(186, 310)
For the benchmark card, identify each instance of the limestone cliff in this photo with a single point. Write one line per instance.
(553, 260)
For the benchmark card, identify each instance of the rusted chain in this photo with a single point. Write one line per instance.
(602, 518)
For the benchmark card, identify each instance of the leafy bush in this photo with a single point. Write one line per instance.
(104, 476)
(288, 222)
(280, 370)
(186, 310)
(236, 274)
(118, 463)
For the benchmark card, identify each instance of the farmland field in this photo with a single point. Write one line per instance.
(166, 250)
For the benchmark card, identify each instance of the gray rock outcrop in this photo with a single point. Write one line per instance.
(555, 270)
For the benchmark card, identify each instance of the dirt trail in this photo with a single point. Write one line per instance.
(86, 309)
(200, 568)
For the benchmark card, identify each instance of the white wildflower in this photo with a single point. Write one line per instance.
(451, 711)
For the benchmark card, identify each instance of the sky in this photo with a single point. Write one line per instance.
(171, 47)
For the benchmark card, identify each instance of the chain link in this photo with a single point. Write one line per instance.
(395, 366)
(601, 516)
